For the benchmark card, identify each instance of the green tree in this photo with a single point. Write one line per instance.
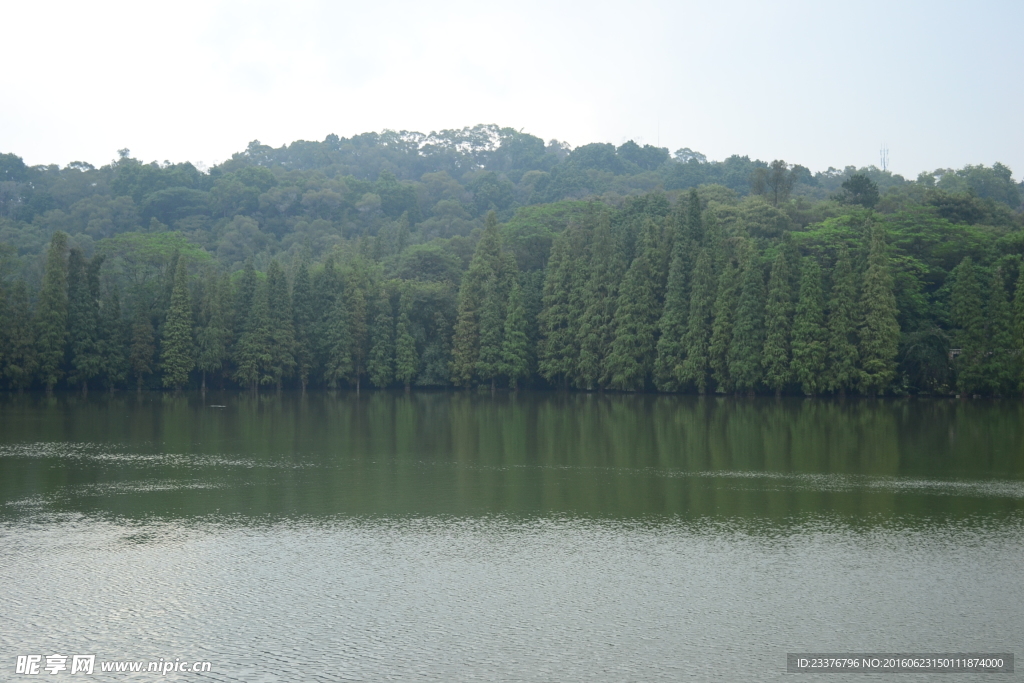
(595, 331)
(406, 360)
(20, 360)
(479, 289)
(253, 350)
(631, 358)
(177, 351)
(558, 352)
(382, 346)
(304, 321)
(999, 360)
(212, 334)
(880, 331)
(778, 324)
(968, 315)
(140, 356)
(810, 343)
(338, 336)
(722, 327)
(52, 314)
(1018, 327)
(281, 325)
(697, 342)
(114, 340)
(748, 333)
(841, 355)
(83, 319)
(514, 356)
(672, 325)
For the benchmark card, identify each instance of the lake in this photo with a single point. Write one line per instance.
(534, 537)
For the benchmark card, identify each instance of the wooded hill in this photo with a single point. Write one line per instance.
(485, 257)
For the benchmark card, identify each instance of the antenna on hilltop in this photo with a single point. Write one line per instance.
(884, 153)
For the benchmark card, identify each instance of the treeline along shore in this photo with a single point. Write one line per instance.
(485, 257)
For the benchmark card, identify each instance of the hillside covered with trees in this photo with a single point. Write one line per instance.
(487, 257)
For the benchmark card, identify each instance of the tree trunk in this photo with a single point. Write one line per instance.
(85, 388)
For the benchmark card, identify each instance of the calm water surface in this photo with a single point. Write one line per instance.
(539, 537)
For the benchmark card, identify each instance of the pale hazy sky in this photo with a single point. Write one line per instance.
(817, 83)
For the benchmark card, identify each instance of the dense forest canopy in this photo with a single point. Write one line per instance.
(487, 257)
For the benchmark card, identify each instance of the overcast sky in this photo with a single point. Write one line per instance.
(817, 83)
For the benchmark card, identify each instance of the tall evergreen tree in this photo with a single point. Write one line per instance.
(880, 331)
(595, 331)
(631, 358)
(558, 352)
(83, 319)
(999, 359)
(381, 366)
(177, 350)
(492, 319)
(748, 333)
(697, 342)
(52, 314)
(1018, 327)
(406, 361)
(810, 342)
(20, 359)
(514, 357)
(281, 325)
(213, 332)
(357, 289)
(778, 324)
(672, 326)
(478, 283)
(841, 355)
(140, 356)
(968, 313)
(338, 338)
(253, 351)
(304, 320)
(726, 300)
(114, 341)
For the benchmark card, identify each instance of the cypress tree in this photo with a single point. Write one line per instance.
(478, 283)
(809, 336)
(778, 322)
(697, 341)
(1018, 327)
(253, 350)
(558, 353)
(841, 355)
(967, 310)
(338, 338)
(880, 331)
(140, 356)
(304, 319)
(595, 331)
(177, 351)
(326, 331)
(114, 341)
(282, 327)
(631, 358)
(20, 360)
(212, 334)
(52, 314)
(83, 319)
(381, 365)
(355, 294)
(722, 327)
(514, 357)
(672, 326)
(748, 333)
(406, 361)
(999, 360)
(492, 319)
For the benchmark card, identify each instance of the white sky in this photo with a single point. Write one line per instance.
(818, 83)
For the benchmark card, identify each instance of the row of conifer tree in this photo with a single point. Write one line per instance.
(675, 306)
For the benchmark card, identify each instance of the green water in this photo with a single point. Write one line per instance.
(455, 536)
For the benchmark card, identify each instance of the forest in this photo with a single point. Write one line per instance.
(486, 258)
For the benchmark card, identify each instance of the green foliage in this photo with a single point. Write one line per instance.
(406, 361)
(630, 360)
(596, 330)
(695, 367)
(842, 355)
(20, 358)
(177, 351)
(810, 343)
(281, 325)
(722, 328)
(381, 366)
(143, 347)
(514, 350)
(778, 321)
(748, 332)
(52, 314)
(879, 331)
